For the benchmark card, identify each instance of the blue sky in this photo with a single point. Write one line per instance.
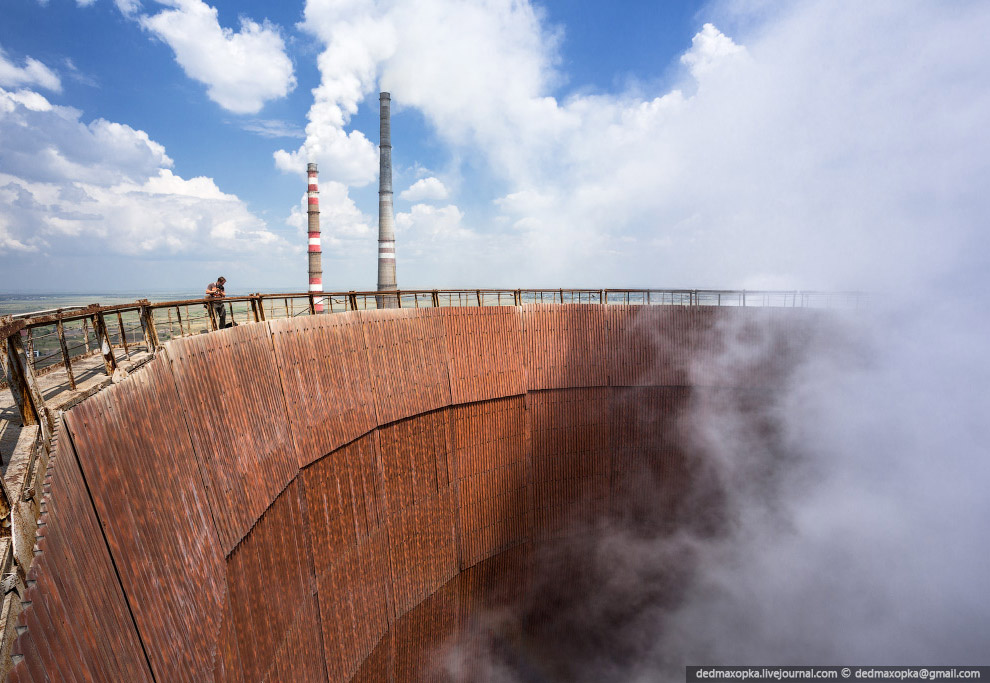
(560, 143)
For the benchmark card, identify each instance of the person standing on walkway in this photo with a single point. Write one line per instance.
(215, 292)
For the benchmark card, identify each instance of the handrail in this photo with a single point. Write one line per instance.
(652, 296)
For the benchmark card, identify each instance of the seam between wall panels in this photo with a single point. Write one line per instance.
(192, 442)
(106, 543)
(237, 544)
(167, 359)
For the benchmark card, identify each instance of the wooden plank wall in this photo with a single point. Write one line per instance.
(289, 500)
(78, 625)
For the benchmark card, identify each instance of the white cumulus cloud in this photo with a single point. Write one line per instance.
(242, 70)
(32, 73)
(69, 187)
(425, 189)
(348, 71)
(709, 47)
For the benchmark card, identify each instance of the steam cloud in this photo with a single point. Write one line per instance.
(840, 520)
(854, 513)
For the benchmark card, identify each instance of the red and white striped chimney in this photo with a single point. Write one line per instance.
(315, 253)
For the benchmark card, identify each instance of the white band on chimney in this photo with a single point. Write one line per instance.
(316, 288)
(314, 241)
(382, 254)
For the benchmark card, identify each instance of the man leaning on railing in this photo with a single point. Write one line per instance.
(215, 292)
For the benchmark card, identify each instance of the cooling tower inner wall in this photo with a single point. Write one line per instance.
(293, 500)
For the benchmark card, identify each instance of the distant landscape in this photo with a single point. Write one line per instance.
(16, 304)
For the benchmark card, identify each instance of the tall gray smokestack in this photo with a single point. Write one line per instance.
(386, 220)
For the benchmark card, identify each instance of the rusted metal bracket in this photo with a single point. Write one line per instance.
(212, 315)
(257, 307)
(106, 346)
(16, 372)
(24, 387)
(66, 358)
(147, 314)
(5, 508)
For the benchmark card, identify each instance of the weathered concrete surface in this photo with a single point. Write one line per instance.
(270, 502)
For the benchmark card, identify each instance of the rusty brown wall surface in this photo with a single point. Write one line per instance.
(419, 499)
(484, 352)
(571, 454)
(227, 664)
(293, 498)
(565, 345)
(273, 599)
(350, 552)
(323, 361)
(406, 361)
(155, 515)
(424, 645)
(78, 624)
(652, 347)
(232, 396)
(490, 442)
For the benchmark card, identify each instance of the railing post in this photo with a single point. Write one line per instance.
(478, 294)
(435, 297)
(106, 348)
(261, 307)
(66, 359)
(148, 326)
(312, 304)
(16, 379)
(24, 387)
(123, 334)
(352, 297)
(178, 316)
(517, 297)
(561, 295)
(603, 295)
(398, 299)
(213, 316)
